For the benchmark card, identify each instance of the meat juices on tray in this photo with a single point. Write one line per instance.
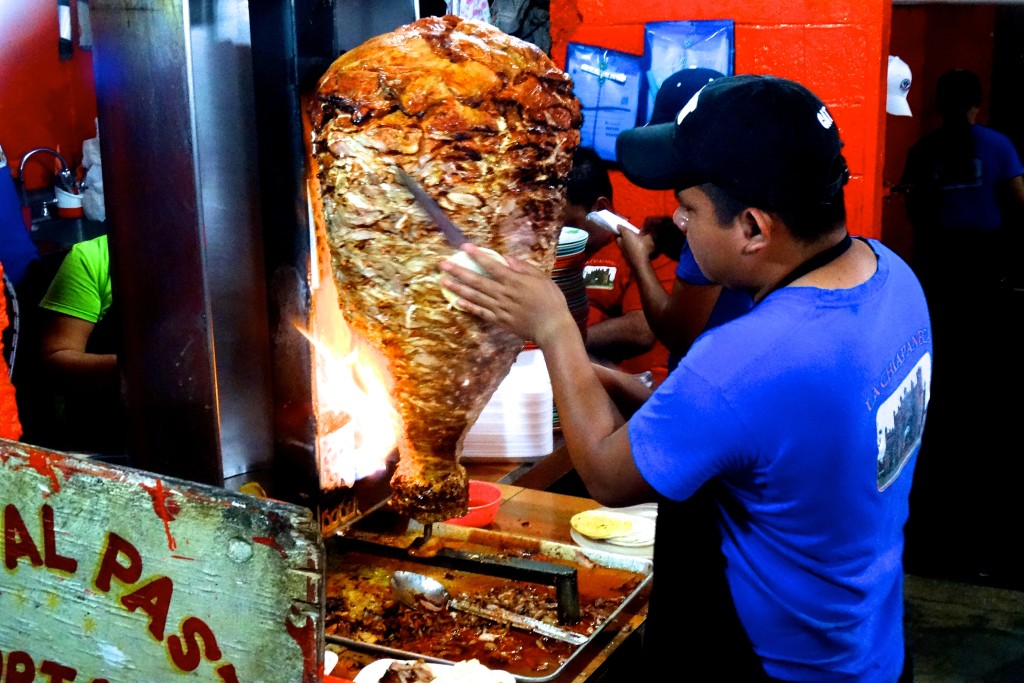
(487, 124)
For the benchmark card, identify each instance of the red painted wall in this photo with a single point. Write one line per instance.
(44, 102)
(838, 49)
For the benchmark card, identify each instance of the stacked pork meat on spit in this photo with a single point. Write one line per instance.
(487, 124)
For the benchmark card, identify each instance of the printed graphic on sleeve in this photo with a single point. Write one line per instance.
(900, 422)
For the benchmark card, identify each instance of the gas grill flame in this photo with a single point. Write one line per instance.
(357, 426)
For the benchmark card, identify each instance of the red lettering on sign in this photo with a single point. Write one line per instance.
(53, 559)
(57, 672)
(20, 668)
(227, 673)
(185, 651)
(165, 507)
(109, 567)
(154, 599)
(18, 542)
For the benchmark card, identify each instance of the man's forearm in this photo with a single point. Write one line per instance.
(84, 371)
(595, 432)
(625, 390)
(578, 392)
(619, 338)
(586, 411)
(655, 300)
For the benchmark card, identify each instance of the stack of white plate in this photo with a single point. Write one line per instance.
(568, 273)
(571, 241)
(516, 423)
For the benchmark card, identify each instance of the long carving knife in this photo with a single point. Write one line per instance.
(452, 232)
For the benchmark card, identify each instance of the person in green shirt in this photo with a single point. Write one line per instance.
(79, 346)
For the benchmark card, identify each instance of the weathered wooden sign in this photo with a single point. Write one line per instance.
(112, 574)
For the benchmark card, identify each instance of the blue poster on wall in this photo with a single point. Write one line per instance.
(670, 46)
(607, 84)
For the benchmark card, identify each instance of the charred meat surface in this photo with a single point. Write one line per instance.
(487, 124)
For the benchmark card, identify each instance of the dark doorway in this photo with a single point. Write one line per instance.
(964, 513)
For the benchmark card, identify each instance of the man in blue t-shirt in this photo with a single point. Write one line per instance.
(802, 417)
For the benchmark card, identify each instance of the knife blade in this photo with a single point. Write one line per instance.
(452, 232)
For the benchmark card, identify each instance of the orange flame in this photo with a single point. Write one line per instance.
(357, 426)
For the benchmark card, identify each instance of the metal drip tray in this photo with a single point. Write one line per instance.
(474, 564)
(562, 576)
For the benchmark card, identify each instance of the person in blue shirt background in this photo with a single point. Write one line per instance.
(961, 180)
(17, 250)
(695, 304)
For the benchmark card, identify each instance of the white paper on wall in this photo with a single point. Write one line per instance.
(670, 46)
(607, 83)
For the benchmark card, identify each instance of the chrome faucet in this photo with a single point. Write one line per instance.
(65, 179)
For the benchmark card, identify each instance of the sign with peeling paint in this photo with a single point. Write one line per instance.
(113, 574)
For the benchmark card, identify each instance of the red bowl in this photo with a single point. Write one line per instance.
(484, 501)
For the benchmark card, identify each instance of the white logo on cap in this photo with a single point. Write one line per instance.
(824, 118)
(688, 107)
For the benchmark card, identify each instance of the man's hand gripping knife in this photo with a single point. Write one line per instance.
(524, 300)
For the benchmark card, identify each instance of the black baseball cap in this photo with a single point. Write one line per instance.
(676, 91)
(767, 140)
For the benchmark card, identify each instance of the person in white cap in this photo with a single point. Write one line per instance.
(898, 88)
(802, 416)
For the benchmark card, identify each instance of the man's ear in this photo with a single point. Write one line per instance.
(757, 227)
(602, 203)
